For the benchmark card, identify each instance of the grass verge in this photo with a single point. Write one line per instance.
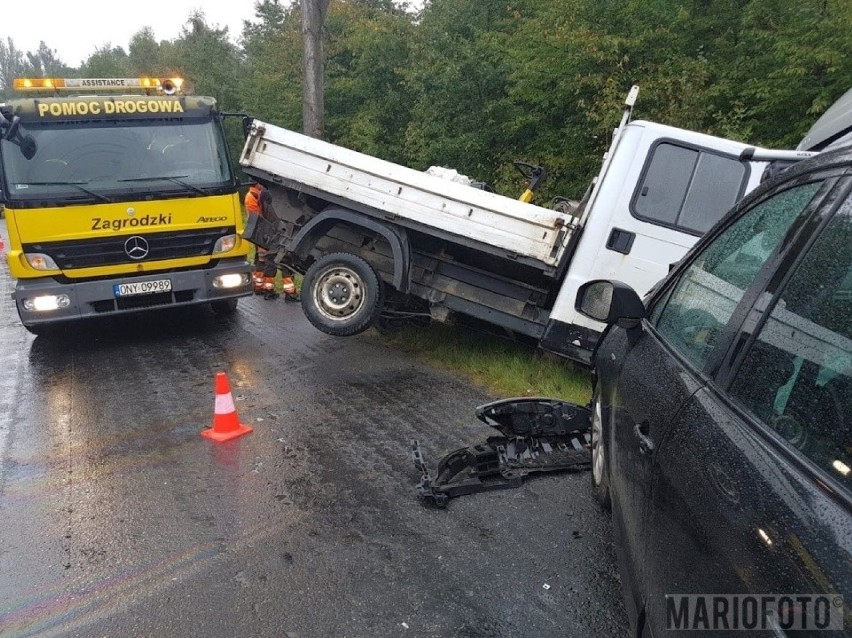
(504, 368)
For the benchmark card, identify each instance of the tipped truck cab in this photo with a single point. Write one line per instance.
(440, 249)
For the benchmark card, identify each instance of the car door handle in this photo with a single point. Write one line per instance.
(646, 443)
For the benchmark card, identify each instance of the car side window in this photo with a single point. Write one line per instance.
(698, 307)
(797, 377)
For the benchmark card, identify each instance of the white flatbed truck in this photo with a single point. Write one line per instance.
(377, 241)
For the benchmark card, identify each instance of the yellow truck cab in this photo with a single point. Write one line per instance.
(118, 203)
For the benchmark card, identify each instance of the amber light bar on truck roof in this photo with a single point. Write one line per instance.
(167, 86)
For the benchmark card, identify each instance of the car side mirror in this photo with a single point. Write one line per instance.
(611, 302)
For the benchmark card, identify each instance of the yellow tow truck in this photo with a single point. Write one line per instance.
(120, 197)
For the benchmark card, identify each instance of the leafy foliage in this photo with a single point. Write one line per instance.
(271, 83)
(366, 92)
(475, 84)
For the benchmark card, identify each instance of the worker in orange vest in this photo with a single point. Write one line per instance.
(258, 201)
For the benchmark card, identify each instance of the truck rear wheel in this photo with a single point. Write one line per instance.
(341, 294)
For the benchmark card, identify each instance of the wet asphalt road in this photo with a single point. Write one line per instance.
(118, 519)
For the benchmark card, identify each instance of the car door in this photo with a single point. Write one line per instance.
(752, 491)
(649, 374)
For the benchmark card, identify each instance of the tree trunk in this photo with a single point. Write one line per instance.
(313, 103)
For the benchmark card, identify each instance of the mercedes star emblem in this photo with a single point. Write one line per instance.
(136, 247)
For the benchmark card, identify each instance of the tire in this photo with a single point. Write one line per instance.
(600, 461)
(224, 307)
(341, 294)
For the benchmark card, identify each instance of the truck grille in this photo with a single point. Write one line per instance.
(109, 251)
(143, 301)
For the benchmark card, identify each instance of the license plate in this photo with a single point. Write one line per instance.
(142, 287)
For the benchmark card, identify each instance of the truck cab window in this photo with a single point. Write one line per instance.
(112, 158)
(797, 377)
(688, 189)
(692, 316)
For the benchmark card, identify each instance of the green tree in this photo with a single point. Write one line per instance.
(13, 64)
(784, 63)
(271, 85)
(107, 61)
(44, 62)
(459, 79)
(367, 96)
(209, 62)
(146, 56)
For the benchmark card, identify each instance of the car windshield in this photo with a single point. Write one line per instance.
(108, 161)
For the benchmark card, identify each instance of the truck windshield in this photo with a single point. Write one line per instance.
(116, 160)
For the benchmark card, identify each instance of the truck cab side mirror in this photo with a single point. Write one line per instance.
(10, 130)
(246, 121)
(611, 302)
(10, 127)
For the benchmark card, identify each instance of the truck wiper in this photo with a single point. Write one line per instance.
(172, 178)
(77, 185)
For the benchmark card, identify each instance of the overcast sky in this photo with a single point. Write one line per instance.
(75, 29)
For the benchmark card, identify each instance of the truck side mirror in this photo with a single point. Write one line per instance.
(10, 130)
(611, 302)
(247, 121)
(11, 127)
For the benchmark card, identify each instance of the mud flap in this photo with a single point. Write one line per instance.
(538, 435)
(261, 232)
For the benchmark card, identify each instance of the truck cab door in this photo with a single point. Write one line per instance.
(664, 189)
(683, 190)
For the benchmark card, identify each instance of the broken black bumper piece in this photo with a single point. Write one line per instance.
(538, 435)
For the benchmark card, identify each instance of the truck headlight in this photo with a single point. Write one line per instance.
(232, 280)
(40, 261)
(224, 244)
(45, 303)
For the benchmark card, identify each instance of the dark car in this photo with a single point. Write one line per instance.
(722, 419)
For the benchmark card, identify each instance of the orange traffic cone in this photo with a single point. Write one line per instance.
(226, 424)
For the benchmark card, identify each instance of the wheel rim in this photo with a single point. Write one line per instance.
(597, 444)
(338, 293)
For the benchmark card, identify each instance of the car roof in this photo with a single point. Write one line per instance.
(840, 157)
(836, 121)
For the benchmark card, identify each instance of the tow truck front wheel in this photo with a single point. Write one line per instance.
(341, 294)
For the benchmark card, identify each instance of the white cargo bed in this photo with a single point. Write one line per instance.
(386, 190)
